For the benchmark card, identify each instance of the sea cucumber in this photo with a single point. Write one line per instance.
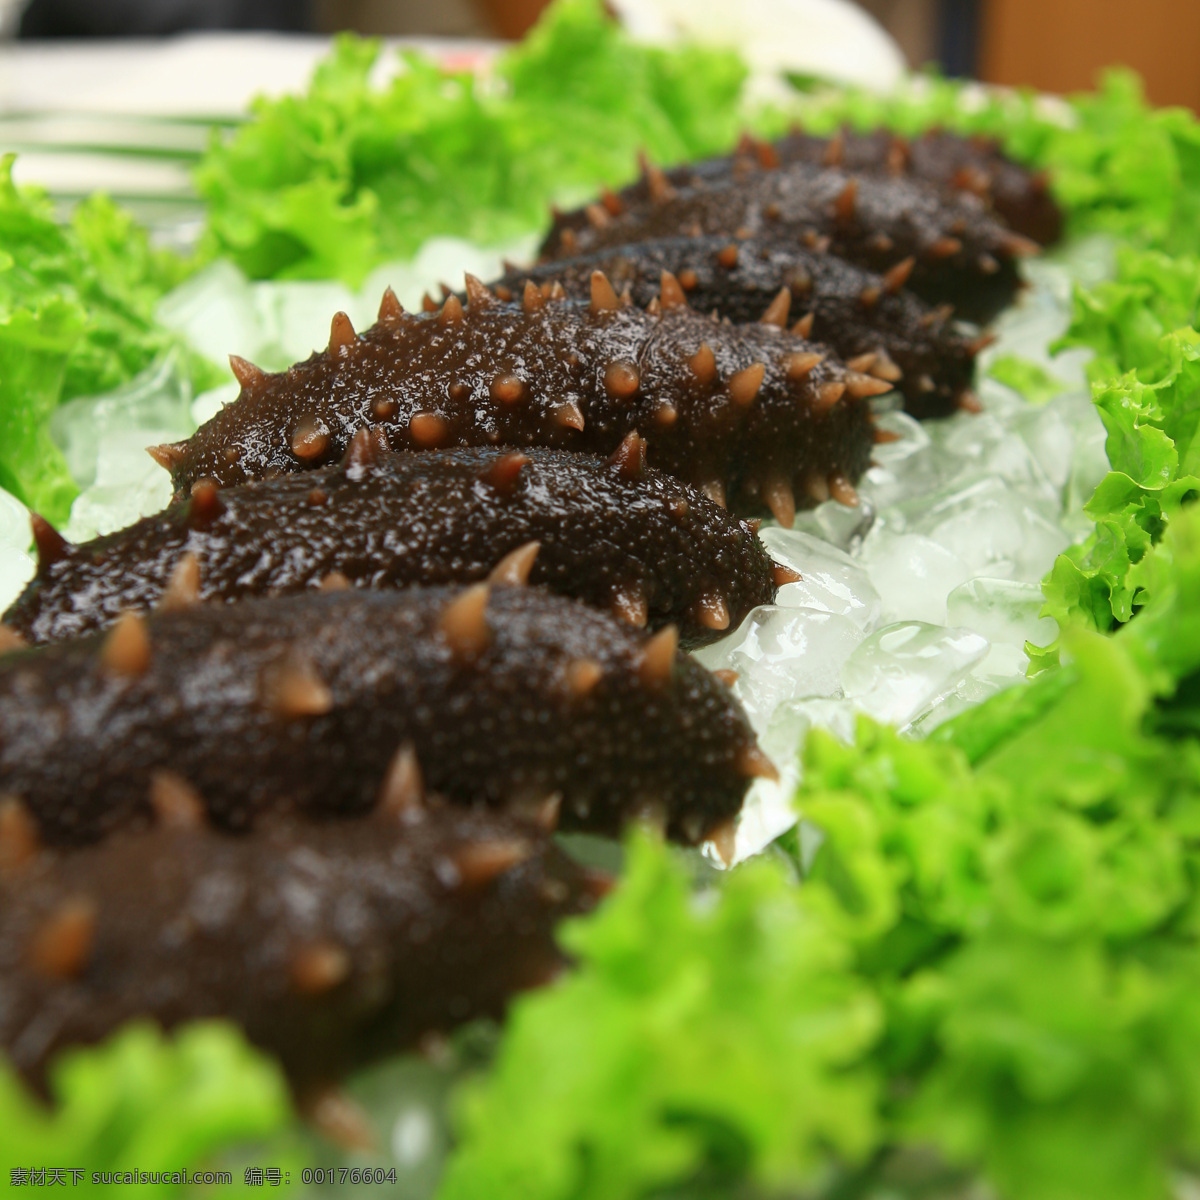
(616, 534)
(871, 321)
(505, 694)
(963, 254)
(331, 944)
(751, 414)
(976, 164)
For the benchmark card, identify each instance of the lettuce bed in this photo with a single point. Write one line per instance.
(989, 976)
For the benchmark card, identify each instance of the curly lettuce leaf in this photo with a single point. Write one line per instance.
(331, 183)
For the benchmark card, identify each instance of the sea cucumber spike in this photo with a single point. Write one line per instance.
(319, 967)
(10, 639)
(183, 587)
(175, 802)
(1016, 246)
(126, 649)
(704, 364)
(168, 455)
(245, 372)
(798, 366)
(859, 385)
(341, 333)
(19, 841)
(612, 202)
(546, 815)
(744, 385)
(754, 764)
(654, 308)
(862, 362)
(334, 581)
(445, 289)
(507, 388)
(835, 151)
(504, 472)
(570, 242)
(390, 308)
(726, 676)
(531, 298)
(781, 500)
(204, 504)
(665, 415)
(597, 215)
(712, 612)
(925, 384)
(657, 664)
(671, 294)
(987, 263)
(657, 184)
(870, 296)
(514, 568)
(884, 368)
(402, 792)
(428, 430)
(714, 489)
(478, 294)
(898, 154)
(896, 277)
(569, 415)
(845, 204)
(604, 298)
(784, 575)
(630, 456)
(688, 280)
(621, 379)
(803, 327)
(452, 310)
(63, 943)
(842, 490)
(310, 438)
(816, 488)
(51, 546)
(582, 676)
(969, 402)
(361, 455)
(944, 247)
(481, 862)
(429, 304)
(777, 311)
(294, 688)
(724, 840)
(767, 155)
(727, 256)
(982, 342)
(464, 622)
(629, 605)
(557, 291)
(883, 437)
(828, 394)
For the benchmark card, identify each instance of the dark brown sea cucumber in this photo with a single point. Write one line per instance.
(509, 695)
(869, 320)
(331, 944)
(614, 533)
(974, 164)
(751, 414)
(963, 254)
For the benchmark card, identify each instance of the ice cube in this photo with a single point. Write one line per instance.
(294, 317)
(1002, 610)
(208, 404)
(913, 575)
(832, 580)
(216, 311)
(782, 654)
(838, 524)
(14, 523)
(902, 671)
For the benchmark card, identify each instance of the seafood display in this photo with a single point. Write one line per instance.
(304, 702)
(751, 414)
(871, 321)
(962, 253)
(330, 944)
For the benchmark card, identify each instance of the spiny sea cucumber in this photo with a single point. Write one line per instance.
(509, 695)
(869, 320)
(752, 414)
(331, 944)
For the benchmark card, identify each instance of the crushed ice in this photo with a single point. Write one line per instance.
(912, 606)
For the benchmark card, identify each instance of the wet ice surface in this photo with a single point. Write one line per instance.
(919, 603)
(912, 606)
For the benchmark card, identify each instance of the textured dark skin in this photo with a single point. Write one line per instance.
(559, 355)
(330, 944)
(937, 361)
(1021, 197)
(79, 740)
(430, 518)
(893, 219)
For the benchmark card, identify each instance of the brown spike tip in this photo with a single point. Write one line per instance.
(843, 491)
(246, 373)
(293, 688)
(341, 333)
(402, 792)
(479, 863)
(896, 277)
(463, 622)
(19, 840)
(784, 575)
(168, 455)
(175, 803)
(803, 327)
(777, 311)
(712, 612)
(183, 586)
(478, 293)
(656, 664)
(514, 568)
(629, 605)
(704, 364)
(569, 415)
(50, 545)
(390, 308)
(671, 294)
(126, 649)
(630, 456)
(532, 299)
(603, 297)
(583, 674)
(452, 310)
(319, 967)
(63, 944)
(798, 366)
(744, 385)
(505, 471)
(622, 379)
(781, 500)
(752, 763)
(10, 639)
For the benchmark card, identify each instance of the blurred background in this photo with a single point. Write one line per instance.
(1054, 45)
